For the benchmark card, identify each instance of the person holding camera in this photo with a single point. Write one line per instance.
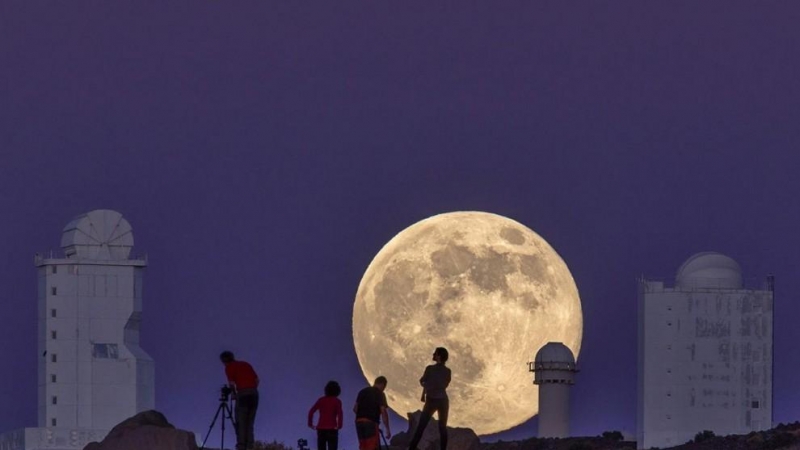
(434, 383)
(331, 417)
(244, 382)
(370, 408)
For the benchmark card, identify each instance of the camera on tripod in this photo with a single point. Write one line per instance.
(223, 409)
(224, 392)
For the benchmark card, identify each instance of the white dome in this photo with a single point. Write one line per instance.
(101, 234)
(554, 352)
(709, 270)
(554, 363)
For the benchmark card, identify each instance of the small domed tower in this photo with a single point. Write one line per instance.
(554, 372)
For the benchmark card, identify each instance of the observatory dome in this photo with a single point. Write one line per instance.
(101, 234)
(709, 270)
(555, 353)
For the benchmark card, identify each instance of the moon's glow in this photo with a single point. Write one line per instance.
(486, 287)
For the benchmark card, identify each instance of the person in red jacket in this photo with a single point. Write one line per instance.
(244, 382)
(330, 417)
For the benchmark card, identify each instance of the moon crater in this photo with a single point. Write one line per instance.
(486, 287)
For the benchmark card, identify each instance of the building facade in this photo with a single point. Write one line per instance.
(705, 349)
(92, 372)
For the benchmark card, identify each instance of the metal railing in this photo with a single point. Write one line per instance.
(41, 257)
(659, 284)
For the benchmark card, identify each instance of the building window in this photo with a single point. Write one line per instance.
(105, 351)
(55, 400)
(53, 358)
(54, 269)
(53, 291)
(52, 312)
(53, 422)
(755, 404)
(53, 378)
(53, 334)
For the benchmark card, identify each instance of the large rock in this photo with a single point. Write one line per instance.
(457, 438)
(148, 430)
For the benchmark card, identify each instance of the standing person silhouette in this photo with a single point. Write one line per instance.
(244, 382)
(330, 417)
(434, 393)
(370, 408)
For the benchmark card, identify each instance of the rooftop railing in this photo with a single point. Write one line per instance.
(698, 284)
(40, 257)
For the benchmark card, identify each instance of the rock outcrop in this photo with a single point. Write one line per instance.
(457, 438)
(146, 430)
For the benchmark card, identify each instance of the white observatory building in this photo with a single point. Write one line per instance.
(705, 353)
(92, 372)
(554, 372)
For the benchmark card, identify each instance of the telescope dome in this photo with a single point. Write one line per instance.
(556, 353)
(101, 234)
(709, 270)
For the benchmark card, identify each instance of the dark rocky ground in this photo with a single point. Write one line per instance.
(577, 443)
(150, 430)
(782, 437)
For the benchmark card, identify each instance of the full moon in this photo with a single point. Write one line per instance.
(484, 286)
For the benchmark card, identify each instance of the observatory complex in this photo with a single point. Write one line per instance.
(92, 372)
(554, 372)
(705, 353)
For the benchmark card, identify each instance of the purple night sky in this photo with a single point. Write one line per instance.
(265, 152)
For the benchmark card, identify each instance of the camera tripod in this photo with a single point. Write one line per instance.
(383, 438)
(225, 409)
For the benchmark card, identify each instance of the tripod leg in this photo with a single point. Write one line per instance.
(227, 409)
(230, 416)
(383, 438)
(210, 427)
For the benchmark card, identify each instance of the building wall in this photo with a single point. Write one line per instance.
(92, 373)
(49, 438)
(705, 363)
(554, 410)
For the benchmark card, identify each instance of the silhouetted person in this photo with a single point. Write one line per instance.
(434, 393)
(330, 417)
(244, 382)
(370, 408)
